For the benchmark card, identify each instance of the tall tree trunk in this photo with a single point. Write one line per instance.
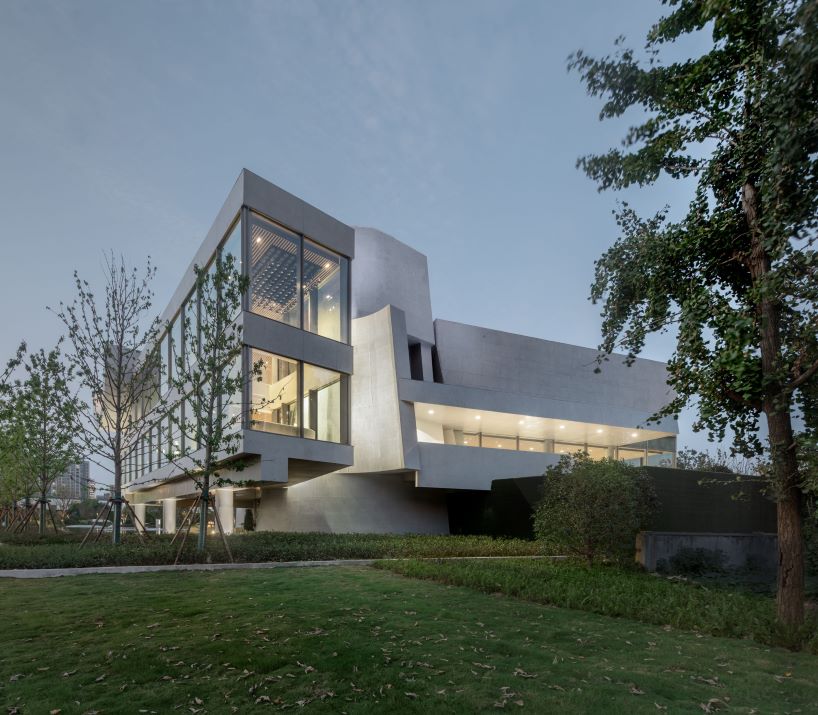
(116, 532)
(43, 503)
(200, 544)
(776, 406)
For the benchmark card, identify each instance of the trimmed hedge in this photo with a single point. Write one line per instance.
(30, 552)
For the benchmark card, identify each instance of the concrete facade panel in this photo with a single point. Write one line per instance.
(354, 503)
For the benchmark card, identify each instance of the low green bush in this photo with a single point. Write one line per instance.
(253, 548)
(593, 509)
(613, 591)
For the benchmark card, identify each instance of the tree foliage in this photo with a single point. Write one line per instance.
(113, 357)
(208, 381)
(736, 277)
(44, 421)
(593, 509)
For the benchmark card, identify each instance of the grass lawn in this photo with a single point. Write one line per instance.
(612, 591)
(360, 640)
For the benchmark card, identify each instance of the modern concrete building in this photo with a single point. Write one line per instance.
(369, 411)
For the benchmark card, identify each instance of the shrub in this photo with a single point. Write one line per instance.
(593, 509)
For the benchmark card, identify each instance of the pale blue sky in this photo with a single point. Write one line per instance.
(453, 126)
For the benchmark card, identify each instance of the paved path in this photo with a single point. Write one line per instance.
(53, 573)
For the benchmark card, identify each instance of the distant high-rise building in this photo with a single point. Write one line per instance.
(73, 483)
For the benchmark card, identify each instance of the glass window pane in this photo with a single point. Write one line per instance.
(274, 395)
(636, 457)
(325, 292)
(191, 338)
(232, 404)
(231, 251)
(471, 439)
(175, 334)
(323, 409)
(597, 452)
(498, 442)
(568, 448)
(274, 269)
(532, 445)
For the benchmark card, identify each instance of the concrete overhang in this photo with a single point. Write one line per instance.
(446, 466)
(495, 401)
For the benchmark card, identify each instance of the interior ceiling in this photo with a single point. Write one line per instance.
(274, 269)
(506, 424)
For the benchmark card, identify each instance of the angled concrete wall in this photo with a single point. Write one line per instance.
(388, 272)
(341, 503)
(382, 428)
(519, 365)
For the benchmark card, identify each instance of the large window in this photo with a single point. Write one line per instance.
(274, 399)
(298, 399)
(325, 292)
(282, 261)
(274, 271)
(323, 408)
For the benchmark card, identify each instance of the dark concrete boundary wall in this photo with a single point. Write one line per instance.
(690, 503)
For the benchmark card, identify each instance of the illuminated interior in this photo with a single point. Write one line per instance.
(444, 424)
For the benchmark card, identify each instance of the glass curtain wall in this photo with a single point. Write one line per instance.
(298, 399)
(326, 284)
(274, 271)
(274, 396)
(296, 281)
(323, 408)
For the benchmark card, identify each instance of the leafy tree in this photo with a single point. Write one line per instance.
(113, 358)
(593, 509)
(737, 275)
(249, 520)
(209, 382)
(718, 461)
(45, 416)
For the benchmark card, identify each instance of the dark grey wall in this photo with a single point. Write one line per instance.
(691, 502)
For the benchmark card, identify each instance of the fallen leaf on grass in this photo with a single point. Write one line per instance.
(712, 705)
(636, 691)
(520, 673)
(68, 673)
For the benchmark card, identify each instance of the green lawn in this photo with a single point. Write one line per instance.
(611, 591)
(360, 640)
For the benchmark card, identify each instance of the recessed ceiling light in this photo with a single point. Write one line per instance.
(326, 265)
(258, 239)
(477, 417)
(562, 426)
(499, 445)
(465, 441)
(634, 434)
(431, 412)
(531, 449)
(522, 421)
(600, 430)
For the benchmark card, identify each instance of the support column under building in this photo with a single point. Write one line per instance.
(139, 510)
(227, 512)
(169, 515)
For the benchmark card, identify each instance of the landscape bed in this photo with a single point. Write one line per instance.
(54, 551)
(360, 640)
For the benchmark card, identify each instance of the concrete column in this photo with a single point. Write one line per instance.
(227, 513)
(139, 510)
(169, 515)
